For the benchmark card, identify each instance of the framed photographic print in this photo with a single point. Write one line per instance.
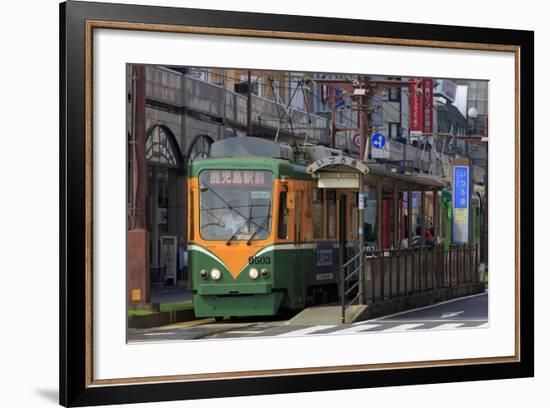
(256, 204)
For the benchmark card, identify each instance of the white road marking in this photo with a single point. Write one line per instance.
(307, 330)
(356, 329)
(452, 314)
(446, 326)
(245, 331)
(483, 326)
(402, 327)
(435, 321)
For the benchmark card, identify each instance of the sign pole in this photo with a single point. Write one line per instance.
(362, 299)
(362, 148)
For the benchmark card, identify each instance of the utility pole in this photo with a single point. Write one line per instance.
(364, 102)
(249, 106)
(361, 90)
(138, 236)
(363, 126)
(139, 171)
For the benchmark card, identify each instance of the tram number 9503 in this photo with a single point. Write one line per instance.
(259, 260)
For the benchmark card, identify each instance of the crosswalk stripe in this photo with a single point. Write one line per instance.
(402, 327)
(307, 330)
(245, 331)
(446, 326)
(357, 329)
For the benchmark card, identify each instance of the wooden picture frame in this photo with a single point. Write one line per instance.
(78, 20)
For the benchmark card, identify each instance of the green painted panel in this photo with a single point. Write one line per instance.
(279, 167)
(244, 305)
(292, 271)
(242, 288)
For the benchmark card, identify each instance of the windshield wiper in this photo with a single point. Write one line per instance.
(232, 237)
(261, 226)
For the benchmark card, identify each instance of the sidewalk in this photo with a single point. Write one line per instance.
(171, 295)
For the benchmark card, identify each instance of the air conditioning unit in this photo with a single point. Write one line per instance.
(241, 88)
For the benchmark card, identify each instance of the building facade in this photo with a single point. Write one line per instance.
(187, 109)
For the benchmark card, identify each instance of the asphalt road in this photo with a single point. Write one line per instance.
(470, 312)
(469, 308)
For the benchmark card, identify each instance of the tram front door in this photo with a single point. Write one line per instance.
(342, 222)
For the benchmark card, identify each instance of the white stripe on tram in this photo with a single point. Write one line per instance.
(200, 249)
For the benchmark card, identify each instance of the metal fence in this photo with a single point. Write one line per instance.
(393, 273)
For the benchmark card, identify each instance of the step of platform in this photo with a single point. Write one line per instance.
(329, 314)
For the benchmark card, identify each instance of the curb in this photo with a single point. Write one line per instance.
(160, 319)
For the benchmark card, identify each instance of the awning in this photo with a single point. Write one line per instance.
(343, 172)
(337, 172)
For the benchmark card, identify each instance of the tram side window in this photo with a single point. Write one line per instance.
(318, 217)
(192, 217)
(331, 216)
(282, 229)
(477, 225)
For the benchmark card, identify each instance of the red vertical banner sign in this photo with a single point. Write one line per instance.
(416, 108)
(428, 102)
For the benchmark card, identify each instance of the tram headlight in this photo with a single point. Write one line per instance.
(215, 274)
(265, 273)
(204, 274)
(253, 273)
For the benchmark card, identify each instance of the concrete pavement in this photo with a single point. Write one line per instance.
(470, 312)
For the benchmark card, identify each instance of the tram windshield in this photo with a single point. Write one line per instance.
(235, 204)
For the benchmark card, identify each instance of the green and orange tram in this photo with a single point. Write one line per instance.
(264, 237)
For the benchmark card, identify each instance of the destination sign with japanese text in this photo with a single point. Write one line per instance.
(237, 178)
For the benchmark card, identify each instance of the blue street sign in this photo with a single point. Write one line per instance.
(378, 141)
(461, 204)
(461, 186)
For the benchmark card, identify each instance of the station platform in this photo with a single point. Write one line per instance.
(327, 314)
(332, 313)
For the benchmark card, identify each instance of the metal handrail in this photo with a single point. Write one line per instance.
(346, 277)
(402, 272)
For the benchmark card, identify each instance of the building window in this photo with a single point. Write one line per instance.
(159, 148)
(394, 94)
(393, 130)
(318, 218)
(199, 149)
(275, 86)
(256, 83)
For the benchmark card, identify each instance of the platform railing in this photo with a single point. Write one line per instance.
(390, 273)
(350, 282)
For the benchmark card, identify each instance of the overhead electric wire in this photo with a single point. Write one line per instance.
(340, 109)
